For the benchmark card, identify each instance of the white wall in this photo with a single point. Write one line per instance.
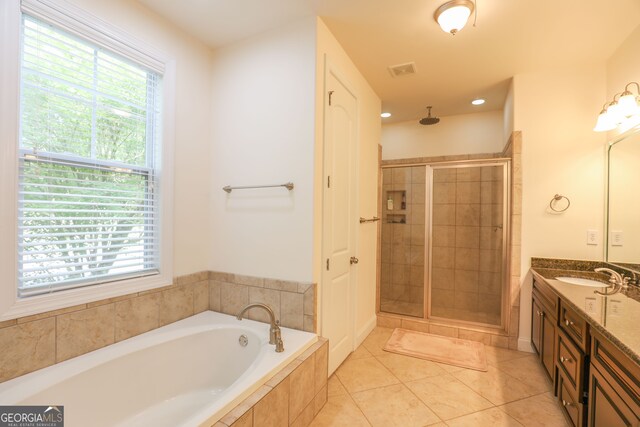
(368, 135)
(461, 134)
(556, 111)
(263, 133)
(192, 122)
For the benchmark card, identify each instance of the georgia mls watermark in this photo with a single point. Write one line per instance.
(31, 416)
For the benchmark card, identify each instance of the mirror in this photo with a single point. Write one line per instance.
(623, 201)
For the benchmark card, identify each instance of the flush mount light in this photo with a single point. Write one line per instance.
(478, 101)
(385, 115)
(624, 106)
(453, 15)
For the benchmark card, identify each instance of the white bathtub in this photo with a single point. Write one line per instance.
(189, 373)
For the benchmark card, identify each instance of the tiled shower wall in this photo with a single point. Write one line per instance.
(403, 241)
(467, 235)
(34, 342)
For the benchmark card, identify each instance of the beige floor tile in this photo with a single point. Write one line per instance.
(537, 411)
(340, 411)
(394, 406)
(529, 370)
(494, 385)
(360, 353)
(377, 340)
(497, 354)
(364, 374)
(448, 397)
(493, 417)
(407, 368)
(335, 387)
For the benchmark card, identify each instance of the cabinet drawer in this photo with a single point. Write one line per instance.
(573, 410)
(570, 360)
(547, 297)
(574, 325)
(609, 405)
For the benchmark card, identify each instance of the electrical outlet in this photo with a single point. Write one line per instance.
(590, 305)
(615, 307)
(616, 238)
(592, 237)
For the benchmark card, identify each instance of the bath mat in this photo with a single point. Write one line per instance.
(451, 351)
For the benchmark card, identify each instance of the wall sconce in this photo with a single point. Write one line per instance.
(617, 111)
(453, 15)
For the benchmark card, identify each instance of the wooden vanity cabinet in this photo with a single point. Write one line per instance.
(614, 387)
(543, 326)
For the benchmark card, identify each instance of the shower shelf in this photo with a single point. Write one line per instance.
(396, 219)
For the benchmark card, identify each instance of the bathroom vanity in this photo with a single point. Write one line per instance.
(589, 345)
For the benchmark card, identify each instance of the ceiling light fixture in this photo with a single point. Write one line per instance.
(478, 101)
(619, 110)
(453, 15)
(385, 115)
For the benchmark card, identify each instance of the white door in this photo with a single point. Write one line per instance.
(339, 219)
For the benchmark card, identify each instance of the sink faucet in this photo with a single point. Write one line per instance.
(275, 335)
(617, 281)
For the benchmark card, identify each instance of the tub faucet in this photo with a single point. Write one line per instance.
(617, 281)
(275, 335)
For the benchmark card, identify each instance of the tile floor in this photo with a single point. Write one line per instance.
(376, 388)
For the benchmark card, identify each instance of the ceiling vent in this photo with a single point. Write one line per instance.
(402, 69)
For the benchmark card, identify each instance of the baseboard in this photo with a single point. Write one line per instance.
(362, 334)
(525, 345)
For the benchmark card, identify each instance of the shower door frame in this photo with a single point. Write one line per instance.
(506, 239)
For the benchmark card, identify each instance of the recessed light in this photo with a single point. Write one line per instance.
(478, 101)
(385, 115)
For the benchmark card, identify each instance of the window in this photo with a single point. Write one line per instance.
(84, 165)
(87, 205)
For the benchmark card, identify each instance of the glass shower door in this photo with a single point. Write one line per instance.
(402, 289)
(468, 229)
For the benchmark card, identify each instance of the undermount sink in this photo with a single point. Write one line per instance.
(582, 282)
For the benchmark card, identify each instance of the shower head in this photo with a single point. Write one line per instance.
(429, 120)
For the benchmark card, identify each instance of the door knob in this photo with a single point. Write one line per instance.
(353, 260)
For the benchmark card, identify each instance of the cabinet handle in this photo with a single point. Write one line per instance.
(568, 322)
(565, 359)
(565, 403)
(542, 314)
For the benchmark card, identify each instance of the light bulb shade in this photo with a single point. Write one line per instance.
(605, 122)
(614, 113)
(628, 105)
(453, 15)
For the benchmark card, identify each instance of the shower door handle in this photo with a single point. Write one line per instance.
(353, 260)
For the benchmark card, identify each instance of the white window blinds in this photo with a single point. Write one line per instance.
(88, 208)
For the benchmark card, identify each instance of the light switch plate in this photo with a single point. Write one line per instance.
(616, 238)
(592, 237)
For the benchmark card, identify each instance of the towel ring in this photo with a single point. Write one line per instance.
(557, 198)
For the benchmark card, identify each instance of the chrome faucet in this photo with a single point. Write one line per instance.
(617, 281)
(275, 335)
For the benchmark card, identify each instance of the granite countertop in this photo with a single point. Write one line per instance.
(617, 317)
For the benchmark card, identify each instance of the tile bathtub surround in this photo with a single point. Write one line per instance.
(35, 342)
(375, 388)
(293, 397)
(293, 303)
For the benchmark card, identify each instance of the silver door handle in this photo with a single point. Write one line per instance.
(353, 260)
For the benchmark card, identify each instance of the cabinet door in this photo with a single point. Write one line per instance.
(548, 338)
(606, 407)
(536, 326)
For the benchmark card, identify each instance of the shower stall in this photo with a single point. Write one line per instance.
(445, 240)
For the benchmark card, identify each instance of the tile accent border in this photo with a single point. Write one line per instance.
(37, 341)
(293, 397)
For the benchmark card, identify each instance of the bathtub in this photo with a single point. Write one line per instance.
(188, 373)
